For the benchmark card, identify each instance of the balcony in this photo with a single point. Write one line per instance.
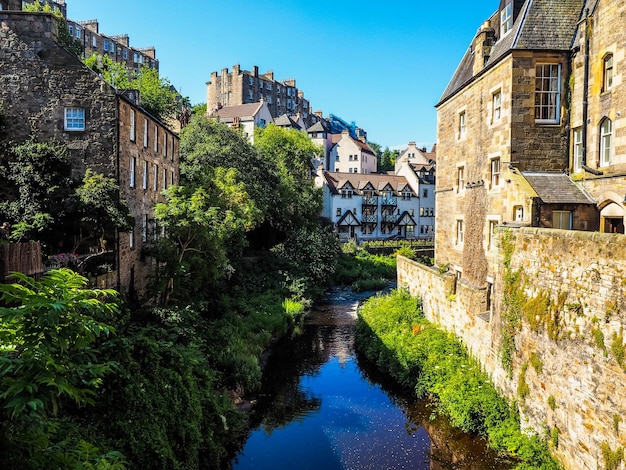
(389, 201)
(370, 201)
(390, 218)
(369, 219)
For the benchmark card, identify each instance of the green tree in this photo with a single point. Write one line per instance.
(102, 211)
(201, 223)
(297, 201)
(39, 187)
(114, 73)
(206, 144)
(156, 94)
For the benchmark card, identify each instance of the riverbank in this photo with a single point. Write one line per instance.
(393, 333)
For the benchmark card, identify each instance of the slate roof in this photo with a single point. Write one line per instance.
(286, 121)
(337, 180)
(556, 188)
(318, 127)
(242, 111)
(541, 25)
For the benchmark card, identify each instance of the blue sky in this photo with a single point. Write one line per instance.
(383, 65)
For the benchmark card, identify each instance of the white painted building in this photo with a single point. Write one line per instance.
(349, 155)
(245, 117)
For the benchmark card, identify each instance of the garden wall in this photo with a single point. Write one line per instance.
(560, 296)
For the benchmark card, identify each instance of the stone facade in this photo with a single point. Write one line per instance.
(40, 83)
(598, 79)
(242, 86)
(581, 279)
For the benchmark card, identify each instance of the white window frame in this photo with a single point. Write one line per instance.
(460, 178)
(74, 119)
(132, 170)
(145, 174)
(607, 73)
(491, 233)
(506, 19)
(156, 138)
(496, 106)
(78, 32)
(165, 144)
(145, 133)
(577, 150)
(131, 239)
(155, 184)
(462, 130)
(94, 41)
(132, 125)
(606, 142)
(460, 232)
(547, 93)
(495, 167)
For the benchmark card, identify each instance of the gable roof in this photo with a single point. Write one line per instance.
(245, 112)
(319, 126)
(540, 25)
(337, 180)
(286, 121)
(556, 188)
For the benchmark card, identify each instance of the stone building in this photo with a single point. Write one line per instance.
(598, 105)
(48, 93)
(502, 139)
(241, 87)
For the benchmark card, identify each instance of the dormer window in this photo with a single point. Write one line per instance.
(506, 20)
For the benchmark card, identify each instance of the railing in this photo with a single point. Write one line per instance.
(372, 218)
(389, 201)
(392, 218)
(370, 201)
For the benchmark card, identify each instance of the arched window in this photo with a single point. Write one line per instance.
(606, 134)
(607, 79)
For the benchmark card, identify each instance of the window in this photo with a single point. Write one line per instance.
(459, 232)
(144, 229)
(492, 233)
(132, 125)
(145, 133)
(70, 27)
(562, 220)
(460, 181)
(578, 150)
(105, 45)
(131, 239)
(145, 174)
(607, 82)
(496, 106)
(165, 144)
(78, 33)
(547, 93)
(74, 119)
(94, 41)
(606, 130)
(164, 178)
(171, 178)
(132, 167)
(125, 54)
(506, 19)
(346, 193)
(495, 172)
(155, 184)
(338, 211)
(156, 139)
(518, 213)
(462, 125)
(425, 193)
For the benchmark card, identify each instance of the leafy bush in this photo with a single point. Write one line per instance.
(393, 333)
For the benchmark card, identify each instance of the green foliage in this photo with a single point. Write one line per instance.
(102, 210)
(370, 284)
(114, 73)
(407, 252)
(617, 348)
(362, 266)
(48, 331)
(598, 339)
(39, 187)
(616, 420)
(156, 94)
(393, 333)
(552, 402)
(612, 458)
(522, 387)
(536, 362)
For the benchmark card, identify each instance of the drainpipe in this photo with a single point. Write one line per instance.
(586, 99)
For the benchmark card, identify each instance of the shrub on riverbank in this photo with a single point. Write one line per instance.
(393, 333)
(357, 267)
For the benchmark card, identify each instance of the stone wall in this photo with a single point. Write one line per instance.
(571, 333)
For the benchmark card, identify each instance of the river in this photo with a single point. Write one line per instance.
(323, 407)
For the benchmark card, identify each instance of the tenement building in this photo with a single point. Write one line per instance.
(49, 94)
(241, 87)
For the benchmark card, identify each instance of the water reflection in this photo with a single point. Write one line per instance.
(321, 407)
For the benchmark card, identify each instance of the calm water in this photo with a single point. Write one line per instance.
(323, 408)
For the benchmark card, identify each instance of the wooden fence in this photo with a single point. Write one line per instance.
(20, 257)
